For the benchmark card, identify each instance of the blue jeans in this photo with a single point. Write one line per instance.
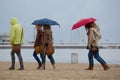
(37, 58)
(96, 56)
(51, 59)
(49, 56)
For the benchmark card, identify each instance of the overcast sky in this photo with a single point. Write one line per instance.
(66, 13)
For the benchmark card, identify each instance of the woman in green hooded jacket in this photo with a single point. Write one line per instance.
(16, 38)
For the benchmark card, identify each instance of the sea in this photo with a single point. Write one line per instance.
(111, 56)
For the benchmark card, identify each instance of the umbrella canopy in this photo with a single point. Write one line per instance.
(45, 21)
(83, 22)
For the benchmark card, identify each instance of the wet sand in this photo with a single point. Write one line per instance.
(63, 71)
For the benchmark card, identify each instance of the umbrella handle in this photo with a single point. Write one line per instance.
(44, 56)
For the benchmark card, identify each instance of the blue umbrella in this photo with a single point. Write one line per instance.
(45, 21)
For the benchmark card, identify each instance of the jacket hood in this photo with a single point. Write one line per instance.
(13, 21)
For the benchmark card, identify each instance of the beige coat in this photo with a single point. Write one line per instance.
(93, 37)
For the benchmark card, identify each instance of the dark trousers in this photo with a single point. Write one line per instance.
(19, 58)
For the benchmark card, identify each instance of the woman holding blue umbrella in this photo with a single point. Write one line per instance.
(48, 43)
(39, 42)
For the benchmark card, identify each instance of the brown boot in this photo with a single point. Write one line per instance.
(105, 66)
(54, 66)
(39, 65)
(42, 67)
(89, 68)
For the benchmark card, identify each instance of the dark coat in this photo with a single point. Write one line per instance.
(39, 38)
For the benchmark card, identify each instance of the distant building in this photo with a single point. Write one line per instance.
(4, 39)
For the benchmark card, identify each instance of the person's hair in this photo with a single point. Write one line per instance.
(90, 25)
(47, 27)
(38, 25)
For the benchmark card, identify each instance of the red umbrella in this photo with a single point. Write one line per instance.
(83, 22)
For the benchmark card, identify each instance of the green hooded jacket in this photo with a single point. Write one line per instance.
(16, 32)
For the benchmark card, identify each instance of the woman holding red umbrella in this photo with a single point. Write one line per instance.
(93, 38)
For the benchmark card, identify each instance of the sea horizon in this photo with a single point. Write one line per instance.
(111, 56)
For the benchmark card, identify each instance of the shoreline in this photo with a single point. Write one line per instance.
(63, 71)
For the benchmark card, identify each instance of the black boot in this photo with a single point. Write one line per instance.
(12, 68)
(21, 68)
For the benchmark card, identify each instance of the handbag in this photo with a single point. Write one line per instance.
(95, 49)
(17, 47)
(39, 49)
(50, 49)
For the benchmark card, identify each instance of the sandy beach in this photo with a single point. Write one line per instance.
(63, 71)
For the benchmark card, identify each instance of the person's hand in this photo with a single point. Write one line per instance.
(94, 49)
(87, 47)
